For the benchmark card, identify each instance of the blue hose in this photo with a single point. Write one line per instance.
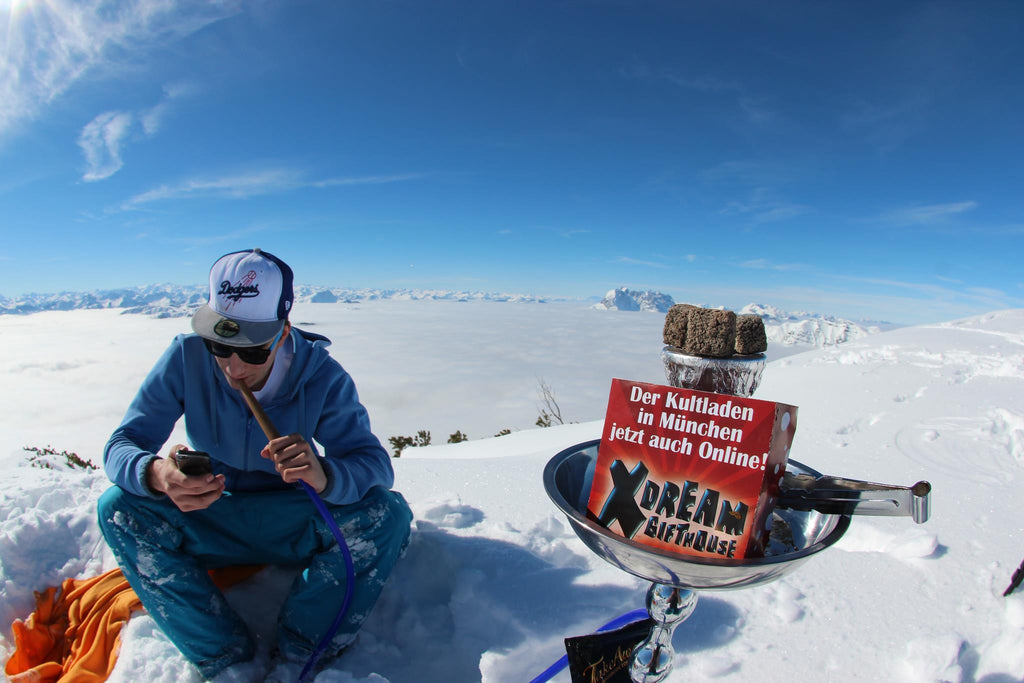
(546, 675)
(270, 431)
(349, 581)
(617, 622)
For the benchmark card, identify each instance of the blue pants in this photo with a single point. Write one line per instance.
(165, 554)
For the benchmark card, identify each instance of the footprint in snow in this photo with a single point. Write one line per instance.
(453, 515)
(995, 442)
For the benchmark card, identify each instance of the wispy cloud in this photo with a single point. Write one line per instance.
(234, 236)
(251, 184)
(52, 45)
(753, 108)
(762, 206)
(366, 180)
(887, 125)
(928, 214)
(765, 211)
(759, 183)
(101, 141)
(103, 138)
(569, 233)
(988, 297)
(765, 264)
(752, 172)
(640, 262)
(152, 119)
(242, 186)
(987, 292)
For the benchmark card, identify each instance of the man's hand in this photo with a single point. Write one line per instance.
(188, 493)
(294, 460)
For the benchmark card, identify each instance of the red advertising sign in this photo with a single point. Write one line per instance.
(689, 471)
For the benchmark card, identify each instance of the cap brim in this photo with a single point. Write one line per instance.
(207, 323)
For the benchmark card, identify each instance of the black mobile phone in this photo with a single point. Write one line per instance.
(193, 463)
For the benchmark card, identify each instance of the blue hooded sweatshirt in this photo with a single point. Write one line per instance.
(317, 399)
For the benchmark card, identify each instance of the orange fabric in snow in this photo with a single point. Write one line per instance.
(74, 634)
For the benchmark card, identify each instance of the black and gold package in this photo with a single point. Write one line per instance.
(604, 657)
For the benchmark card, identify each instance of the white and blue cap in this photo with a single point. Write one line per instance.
(250, 298)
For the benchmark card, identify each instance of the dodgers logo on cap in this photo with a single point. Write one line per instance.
(250, 298)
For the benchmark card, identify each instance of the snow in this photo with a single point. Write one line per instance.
(494, 578)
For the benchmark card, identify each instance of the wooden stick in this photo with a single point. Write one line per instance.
(259, 414)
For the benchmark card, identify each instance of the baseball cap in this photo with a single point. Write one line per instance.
(250, 297)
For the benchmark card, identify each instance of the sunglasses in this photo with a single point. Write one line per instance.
(253, 355)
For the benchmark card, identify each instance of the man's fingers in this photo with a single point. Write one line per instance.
(283, 443)
(292, 452)
(196, 482)
(197, 486)
(294, 460)
(190, 503)
(295, 474)
(288, 464)
(188, 500)
(287, 455)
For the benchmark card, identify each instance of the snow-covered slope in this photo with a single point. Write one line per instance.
(494, 578)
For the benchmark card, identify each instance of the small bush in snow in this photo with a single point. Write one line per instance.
(48, 457)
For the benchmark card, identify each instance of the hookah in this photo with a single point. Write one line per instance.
(813, 509)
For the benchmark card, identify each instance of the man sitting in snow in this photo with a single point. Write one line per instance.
(167, 529)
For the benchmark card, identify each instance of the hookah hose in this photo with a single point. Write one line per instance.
(621, 620)
(271, 433)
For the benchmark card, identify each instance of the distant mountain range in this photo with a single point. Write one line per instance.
(782, 327)
(170, 301)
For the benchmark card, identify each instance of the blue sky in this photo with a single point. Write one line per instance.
(861, 159)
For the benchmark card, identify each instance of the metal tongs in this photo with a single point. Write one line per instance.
(839, 496)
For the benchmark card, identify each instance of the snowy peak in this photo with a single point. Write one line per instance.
(807, 329)
(623, 299)
(769, 313)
